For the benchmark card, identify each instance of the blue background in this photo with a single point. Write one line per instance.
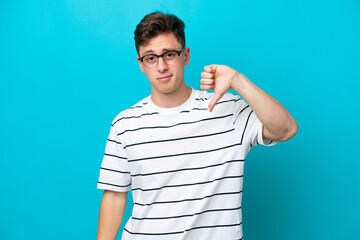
(67, 68)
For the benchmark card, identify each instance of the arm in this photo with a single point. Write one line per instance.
(278, 124)
(111, 214)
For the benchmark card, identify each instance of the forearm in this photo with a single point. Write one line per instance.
(111, 214)
(270, 112)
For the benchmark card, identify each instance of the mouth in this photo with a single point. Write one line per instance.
(164, 78)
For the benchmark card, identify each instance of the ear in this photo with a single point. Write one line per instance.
(140, 64)
(187, 56)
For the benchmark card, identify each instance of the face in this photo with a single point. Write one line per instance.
(165, 78)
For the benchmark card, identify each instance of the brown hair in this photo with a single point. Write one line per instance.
(157, 23)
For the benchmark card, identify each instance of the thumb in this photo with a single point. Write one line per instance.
(216, 97)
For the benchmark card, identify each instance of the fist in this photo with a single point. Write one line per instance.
(218, 78)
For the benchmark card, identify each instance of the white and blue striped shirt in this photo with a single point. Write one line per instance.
(184, 166)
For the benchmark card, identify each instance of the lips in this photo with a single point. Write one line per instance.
(164, 78)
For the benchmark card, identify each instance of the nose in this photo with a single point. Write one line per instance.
(162, 65)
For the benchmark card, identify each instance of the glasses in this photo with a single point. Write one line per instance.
(170, 57)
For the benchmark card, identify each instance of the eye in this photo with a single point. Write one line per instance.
(150, 59)
(170, 55)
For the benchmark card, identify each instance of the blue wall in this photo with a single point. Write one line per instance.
(68, 67)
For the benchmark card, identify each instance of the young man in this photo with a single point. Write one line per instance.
(181, 151)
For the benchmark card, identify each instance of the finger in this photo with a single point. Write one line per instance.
(207, 75)
(207, 81)
(207, 87)
(210, 68)
(216, 97)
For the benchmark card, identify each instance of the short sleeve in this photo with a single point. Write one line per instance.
(257, 138)
(114, 170)
(248, 124)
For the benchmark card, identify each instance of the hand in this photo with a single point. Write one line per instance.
(218, 78)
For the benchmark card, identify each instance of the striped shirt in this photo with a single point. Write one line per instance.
(184, 166)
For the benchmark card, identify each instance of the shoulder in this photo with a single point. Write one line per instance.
(204, 96)
(200, 95)
(130, 112)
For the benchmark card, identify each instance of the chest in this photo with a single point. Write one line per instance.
(168, 143)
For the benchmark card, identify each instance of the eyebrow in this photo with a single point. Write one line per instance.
(151, 51)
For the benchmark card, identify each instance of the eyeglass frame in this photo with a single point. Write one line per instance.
(161, 55)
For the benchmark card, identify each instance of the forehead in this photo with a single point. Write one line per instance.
(160, 43)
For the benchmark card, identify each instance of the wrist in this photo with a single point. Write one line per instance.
(238, 82)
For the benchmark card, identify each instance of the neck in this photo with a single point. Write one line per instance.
(173, 99)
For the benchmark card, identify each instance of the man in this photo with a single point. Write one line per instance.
(181, 151)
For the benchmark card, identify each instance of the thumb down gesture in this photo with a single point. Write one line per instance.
(218, 78)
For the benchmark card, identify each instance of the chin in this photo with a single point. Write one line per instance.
(166, 88)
